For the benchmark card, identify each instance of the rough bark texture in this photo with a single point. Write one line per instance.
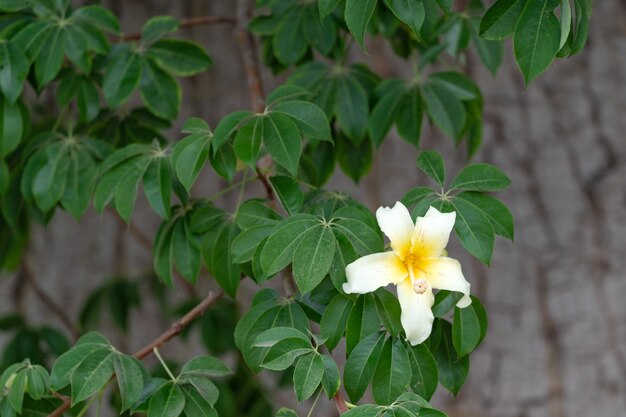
(557, 340)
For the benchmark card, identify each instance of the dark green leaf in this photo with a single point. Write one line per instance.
(248, 140)
(444, 108)
(465, 330)
(480, 177)
(167, 401)
(432, 164)
(326, 7)
(179, 57)
(498, 214)
(410, 116)
(288, 192)
(307, 375)
(98, 16)
(334, 319)
(13, 70)
(410, 12)
(362, 321)
(500, 20)
(129, 379)
(331, 380)
(424, 374)
(11, 127)
(474, 230)
(281, 245)
(357, 15)
(157, 27)
(189, 156)
(351, 107)
(282, 140)
(388, 309)
(313, 257)
(309, 118)
(92, 374)
(452, 369)
(50, 60)
(122, 75)
(393, 372)
(361, 365)
(159, 91)
(206, 366)
(157, 185)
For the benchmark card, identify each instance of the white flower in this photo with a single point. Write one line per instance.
(415, 265)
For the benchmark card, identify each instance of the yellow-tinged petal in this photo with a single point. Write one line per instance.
(417, 317)
(445, 274)
(371, 272)
(397, 224)
(432, 233)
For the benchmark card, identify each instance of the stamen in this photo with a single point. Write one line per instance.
(420, 286)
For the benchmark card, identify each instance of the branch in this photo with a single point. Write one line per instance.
(173, 331)
(340, 403)
(46, 300)
(248, 54)
(185, 23)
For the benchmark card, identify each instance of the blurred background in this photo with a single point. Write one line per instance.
(557, 340)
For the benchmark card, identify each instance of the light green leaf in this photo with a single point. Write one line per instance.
(227, 127)
(582, 9)
(129, 379)
(272, 336)
(282, 140)
(307, 375)
(537, 37)
(313, 257)
(159, 91)
(480, 177)
(17, 391)
(206, 366)
(69, 361)
(189, 156)
(357, 15)
(179, 57)
(248, 140)
(361, 365)
(566, 22)
(284, 353)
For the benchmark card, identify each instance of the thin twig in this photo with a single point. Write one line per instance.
(185, 23)
(173, 331)
(44, 297)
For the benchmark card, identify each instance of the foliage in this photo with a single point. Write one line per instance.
(115, 98)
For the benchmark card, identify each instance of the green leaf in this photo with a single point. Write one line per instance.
(162, 253)
(326, 7)
(465, 330)
(189, 156)
(410, 12)
(4, 177)
(334, 319)
(474, 230)
(410, 116)
(490, 52)
(357, 15)
(388, 309)
(500, 20)
(157, 27)
(13, 70)
(444, 108)
(480, 177)
(227, 127)
(582, 9)
(290, 43)
(452, 369)
(195, 404)
(80, 180)
(75, 46)
(33, 37)
(313, 257)
(69, 361)
(272, 336)
(355, 160)
(497, 213)
(481, 314)
(179, 57)
(432, 164)
(537, 37)
(50, 60)
(129, 379)
(361, 365)
(248, 140)
(444, 302)
(98, 16)
(282, 140)
(288, 192)
(249, 320)
(360, 231)
(246, 242)
(284, 353)
(87, 100)
(566, 22)
(185, 251)
(362, 321)
(456, 83)
(351, 107)
(159, 91)
(205, 388)
(307, 375)
(50, 182)
(157, 186)
(310, 119)
(224, 161)
(92, 374)
(206, 366)
(16, 393)
(219, 261)
(254, 213)
(424, 374)
(11, 127)
(344, 255)
(167, 401)
(386, 109)
(38, 382)
(331, 381)
(393, 372)
(126, 189)
(281, 245)
(205, 218)
(122, 75)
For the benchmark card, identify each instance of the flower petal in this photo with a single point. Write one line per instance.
(432, 233)
(417, 316)
(371, 272)
(445, 274)
(397, 224)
